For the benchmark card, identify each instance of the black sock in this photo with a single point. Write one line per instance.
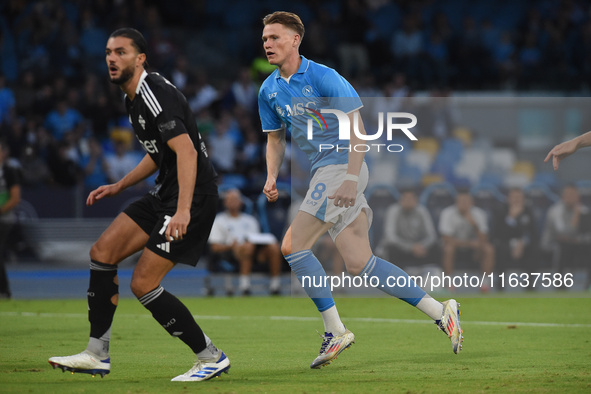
(174, 316)
(103, 294)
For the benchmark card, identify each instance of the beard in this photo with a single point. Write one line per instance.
(125, 76)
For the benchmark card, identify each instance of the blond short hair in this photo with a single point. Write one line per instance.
(287, 19)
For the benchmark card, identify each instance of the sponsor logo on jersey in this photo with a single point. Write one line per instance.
(271, 95)
(149, 145)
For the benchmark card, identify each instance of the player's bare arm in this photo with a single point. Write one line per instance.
(144, 169)
(186, 160)
(562, 151)
(275, 154)
(346, 194)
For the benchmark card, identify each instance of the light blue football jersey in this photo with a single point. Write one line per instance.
(284, 104)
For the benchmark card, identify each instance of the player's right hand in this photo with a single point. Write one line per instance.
(102, 191)
(560, 152)
(270, 190)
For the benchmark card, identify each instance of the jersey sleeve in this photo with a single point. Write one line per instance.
(167, 108)
(340, 92)
(270, 121)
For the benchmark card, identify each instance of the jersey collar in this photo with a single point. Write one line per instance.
(139, 83)
(303, 68)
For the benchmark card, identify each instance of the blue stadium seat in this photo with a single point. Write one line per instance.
(380, 197)
(488, 198)
(436, 197)
(540, 197)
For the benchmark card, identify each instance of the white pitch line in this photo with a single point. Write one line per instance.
(310, 318)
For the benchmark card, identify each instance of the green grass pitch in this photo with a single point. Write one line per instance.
(511, 345)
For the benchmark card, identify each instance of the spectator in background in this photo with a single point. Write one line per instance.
(464, 230)
(180, 74)
(205, 94)
(567, 231)
(122, 160)
(10, 195)
(62, 120)
(34, 168)
(25, 93)
(234, 238)
(244, 91)
(223, 144)
(407, 47)
(409, 234)
(353, 55)
(96, 168)
(513, 233)
(64, 170)
(7, 101)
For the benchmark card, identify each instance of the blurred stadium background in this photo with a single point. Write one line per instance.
(509, 78)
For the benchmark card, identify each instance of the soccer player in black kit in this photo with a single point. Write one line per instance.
(170, 224)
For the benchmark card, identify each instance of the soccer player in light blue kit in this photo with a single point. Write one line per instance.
(335, 200)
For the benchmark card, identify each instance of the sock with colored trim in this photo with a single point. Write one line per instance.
(313, 279)
(174, 316)
(394, 281)
(103, 296)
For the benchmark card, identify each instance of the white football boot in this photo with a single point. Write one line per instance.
(331, 347)
(205, 370)
(84, 362)
(450, 324)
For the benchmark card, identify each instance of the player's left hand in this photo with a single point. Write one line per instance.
(346, 194)
(177, 227)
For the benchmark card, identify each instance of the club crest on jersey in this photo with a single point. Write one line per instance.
(142, 122)
(307, 91)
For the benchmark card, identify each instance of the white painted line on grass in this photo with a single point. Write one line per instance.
(309, 318)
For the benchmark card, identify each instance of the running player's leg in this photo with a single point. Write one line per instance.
(120, 240)
(353, 245)
(303, 233)
(174, 316)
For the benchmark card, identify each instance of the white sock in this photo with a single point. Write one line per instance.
(100, 346)
(275, 283)
(431, 307)
(210, 352)
(244, 282)
(332, 321)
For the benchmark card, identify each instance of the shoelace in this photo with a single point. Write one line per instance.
(326, 338)
(197, 366)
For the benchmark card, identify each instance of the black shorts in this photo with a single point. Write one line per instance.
(150, 214)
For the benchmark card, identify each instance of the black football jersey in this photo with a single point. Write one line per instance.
(158, 113)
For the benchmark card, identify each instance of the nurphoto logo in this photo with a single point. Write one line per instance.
(392, 124)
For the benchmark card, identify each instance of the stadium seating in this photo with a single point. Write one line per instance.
(436, 197)
(380, 197)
